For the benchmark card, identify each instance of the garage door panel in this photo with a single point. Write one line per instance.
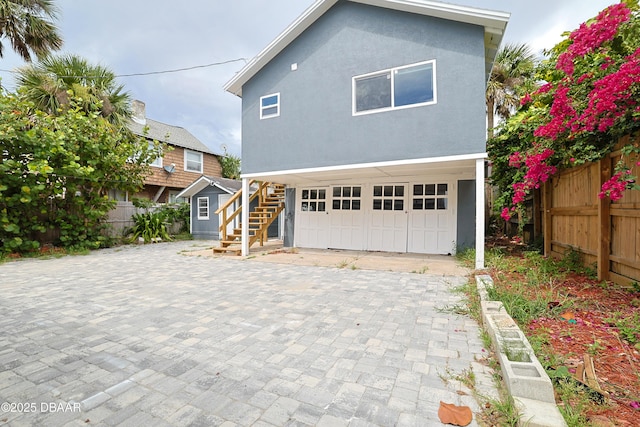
(431, 224)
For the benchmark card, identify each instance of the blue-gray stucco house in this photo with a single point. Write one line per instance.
(372, 113)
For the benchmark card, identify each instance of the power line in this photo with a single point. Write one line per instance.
(177, 70)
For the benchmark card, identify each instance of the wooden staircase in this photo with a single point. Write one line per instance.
(270, 203)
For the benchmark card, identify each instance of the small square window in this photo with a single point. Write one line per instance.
(417, 204)
(399, 191)
(355, 205)
(388, 204)
(305, 206)
(337, 191)
(377, 205)
(313, 206)
(314, 194)
(321, 206)
(398, 205)
(356, 191)
(305, 194)
(346, 191)
(270, 106)
(442, 204)
(430, 190)
(346, 205)
(377, 191)
(336, 205)
(443, 189)
(388, 191)
(322, 194)
(418, 190)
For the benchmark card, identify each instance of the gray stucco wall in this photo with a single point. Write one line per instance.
(316, 126)
(206, 229)
(466, 233)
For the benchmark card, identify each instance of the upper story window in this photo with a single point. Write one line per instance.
(270, 106)
(157, 162)
(401, 87)
(193, 161)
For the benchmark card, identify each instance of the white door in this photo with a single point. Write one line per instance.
(222, 199)
(432, 225)
(347, 228)
(388, 218)
(312, 218)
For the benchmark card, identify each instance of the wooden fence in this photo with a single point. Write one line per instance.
(606, 233)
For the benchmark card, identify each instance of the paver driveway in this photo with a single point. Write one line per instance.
(145, 336)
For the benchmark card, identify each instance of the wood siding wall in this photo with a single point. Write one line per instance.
(606, 233)
(181, 178)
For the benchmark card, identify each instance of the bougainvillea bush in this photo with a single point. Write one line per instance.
(588, 97)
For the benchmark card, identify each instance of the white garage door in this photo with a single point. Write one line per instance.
(347, 229)
(312, 218)
(432, 224)
(388, 224)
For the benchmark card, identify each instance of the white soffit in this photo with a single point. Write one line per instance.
(455, 166)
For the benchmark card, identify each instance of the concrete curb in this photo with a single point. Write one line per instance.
(526, 379)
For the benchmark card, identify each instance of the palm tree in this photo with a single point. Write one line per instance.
(49, 82)
(511, 75)
(25, 23)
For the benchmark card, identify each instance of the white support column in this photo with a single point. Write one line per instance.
(480, 214)
(245, 216)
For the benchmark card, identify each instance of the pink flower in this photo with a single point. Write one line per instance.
(505, 214)
(525, 99)
(616, 185)
(588, 38)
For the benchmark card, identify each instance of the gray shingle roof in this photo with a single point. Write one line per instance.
(173, 135)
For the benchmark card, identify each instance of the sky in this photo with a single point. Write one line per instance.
(137, 37)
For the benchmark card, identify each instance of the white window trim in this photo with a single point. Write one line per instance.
(392, 71)
(277, 105)
(201, 161)
(157, 163)
(202, 217)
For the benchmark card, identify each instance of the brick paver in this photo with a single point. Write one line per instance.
(143, 335)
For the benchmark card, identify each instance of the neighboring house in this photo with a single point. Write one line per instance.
(372, 113)
(185, 163)
(207, 194)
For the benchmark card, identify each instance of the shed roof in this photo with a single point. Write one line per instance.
(230, 186)
(493, 22)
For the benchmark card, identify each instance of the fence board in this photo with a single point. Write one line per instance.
(606, 233)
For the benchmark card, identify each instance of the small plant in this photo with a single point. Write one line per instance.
(343, 263)
(150, 226)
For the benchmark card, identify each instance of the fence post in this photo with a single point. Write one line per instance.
(547, 217)
(604, 222)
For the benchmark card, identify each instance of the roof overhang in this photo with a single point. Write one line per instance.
(200, 184)
(493, 22)
(367, 172)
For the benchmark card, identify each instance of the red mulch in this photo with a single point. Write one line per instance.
(585, 327)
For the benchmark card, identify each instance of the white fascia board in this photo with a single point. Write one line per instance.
(452, 12)
(489, 19)
(298, 26)
(427, 160)
(195, 187)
